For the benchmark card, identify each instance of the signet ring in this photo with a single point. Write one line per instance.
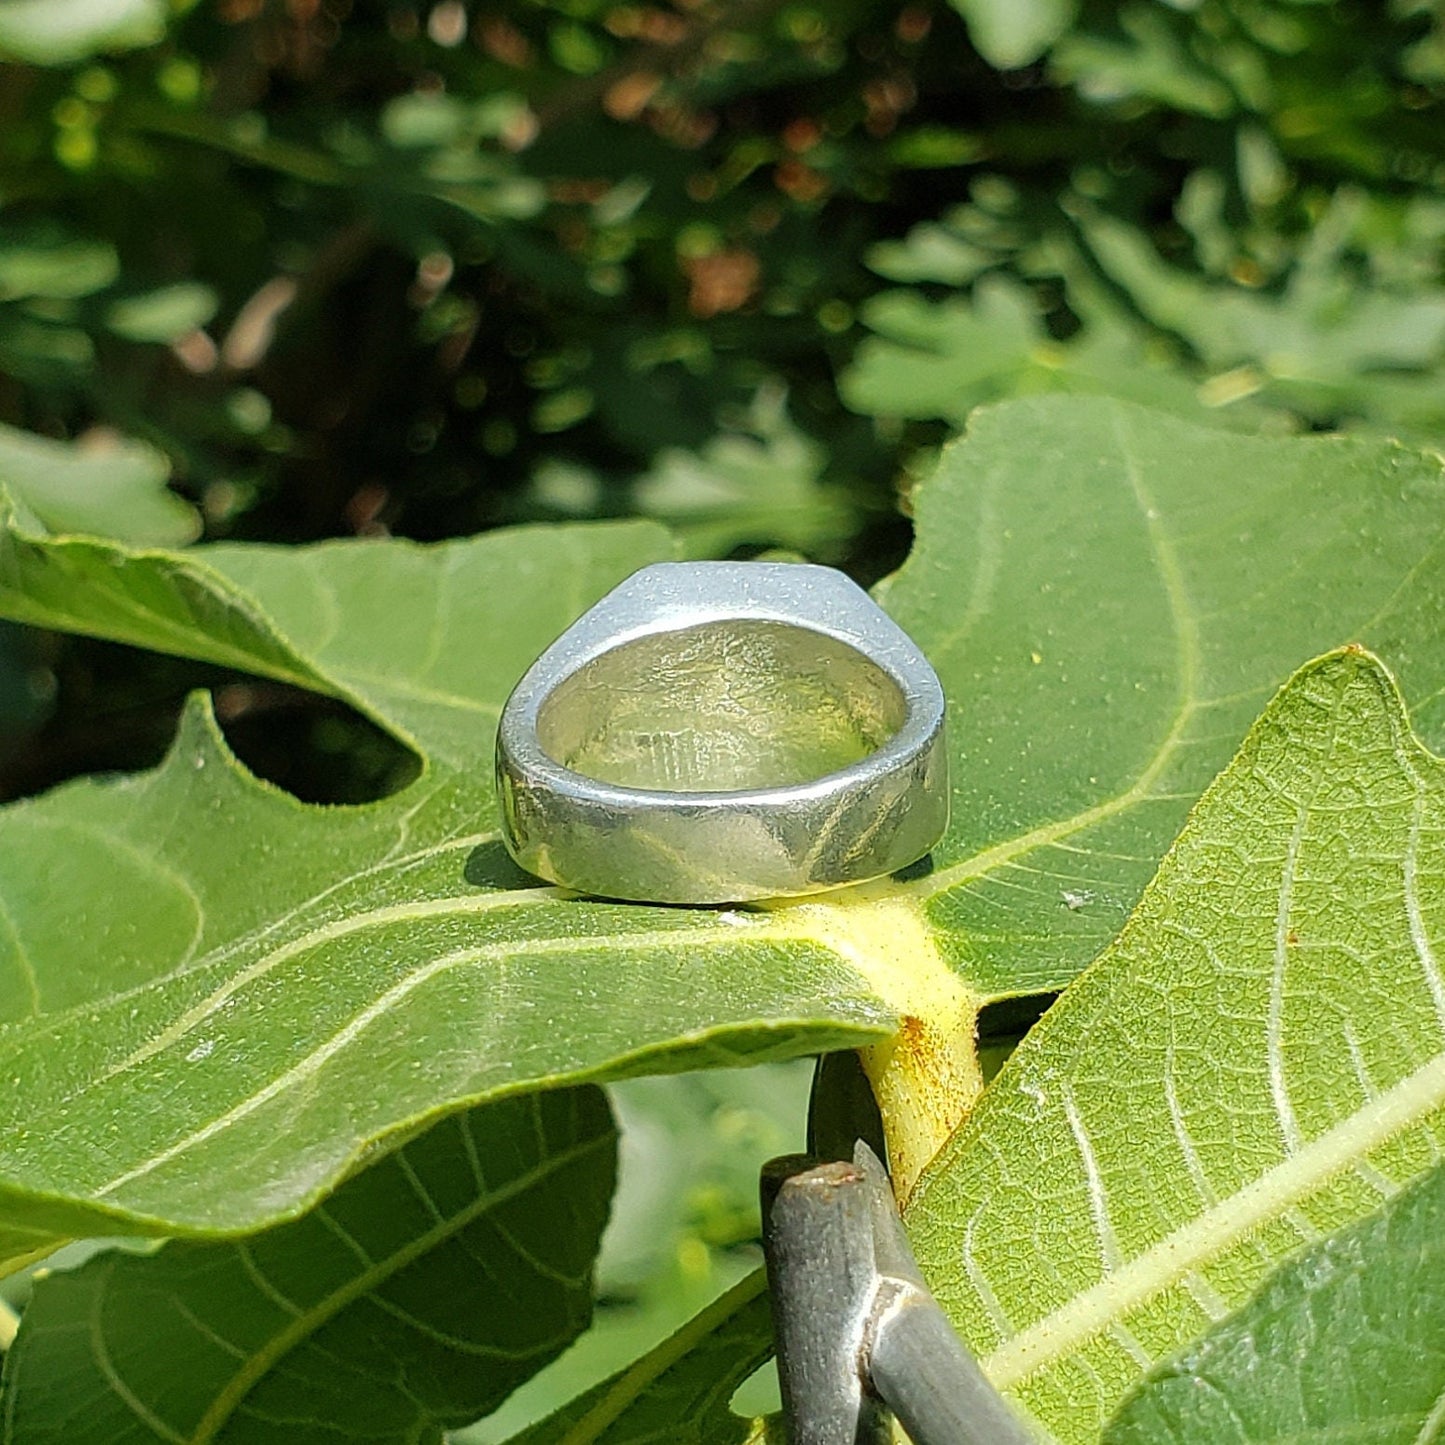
(715, 732)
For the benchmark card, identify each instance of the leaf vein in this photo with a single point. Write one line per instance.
(366, 1281)
(1408, 1103)
(307, 1067)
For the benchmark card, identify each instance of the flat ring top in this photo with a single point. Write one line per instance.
(713, 732)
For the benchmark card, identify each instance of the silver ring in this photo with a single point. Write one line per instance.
(713, 732)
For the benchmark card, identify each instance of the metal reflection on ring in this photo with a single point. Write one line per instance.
(714, 732)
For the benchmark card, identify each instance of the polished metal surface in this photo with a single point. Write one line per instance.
(713, 732)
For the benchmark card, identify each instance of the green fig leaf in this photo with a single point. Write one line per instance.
(416, 1298)
(1343, 1342)
(1258, 1060)
(1109, 596)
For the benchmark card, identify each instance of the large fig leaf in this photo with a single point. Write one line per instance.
(217, 999)
(1110, 597)
(417, 1297)
(198, 975)
(1344, 1342)
(1258, 1060)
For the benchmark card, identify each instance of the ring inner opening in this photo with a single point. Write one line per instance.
(721, 707)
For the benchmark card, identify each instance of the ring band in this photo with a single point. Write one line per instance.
(713, 732)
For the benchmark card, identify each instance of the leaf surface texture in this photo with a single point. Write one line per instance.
(417, 1297)
(1258, 1060)
(1109, 596)
(1345, 1342)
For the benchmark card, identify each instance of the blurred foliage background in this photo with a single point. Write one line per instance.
(295, 269)
(285, 270)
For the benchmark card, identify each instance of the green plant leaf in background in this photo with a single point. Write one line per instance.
(683, 1224)
(417, 1297)
(761, 483)
(680, 1391)
(1258, 1060)
(1007, 250)
(58, 32)
(1147, 59)
(113, 488)
(928, 359)
(1336, 339)
(1108, 595)
(164, 314)
(50, 264)
(1345, 329)
(1343, 1342)
(1011, 33)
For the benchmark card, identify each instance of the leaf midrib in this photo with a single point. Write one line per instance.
(52, 1018)
(308, 1321)
(319, 937)
(1186, 634)
(408, 983)
(1226, 1223)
